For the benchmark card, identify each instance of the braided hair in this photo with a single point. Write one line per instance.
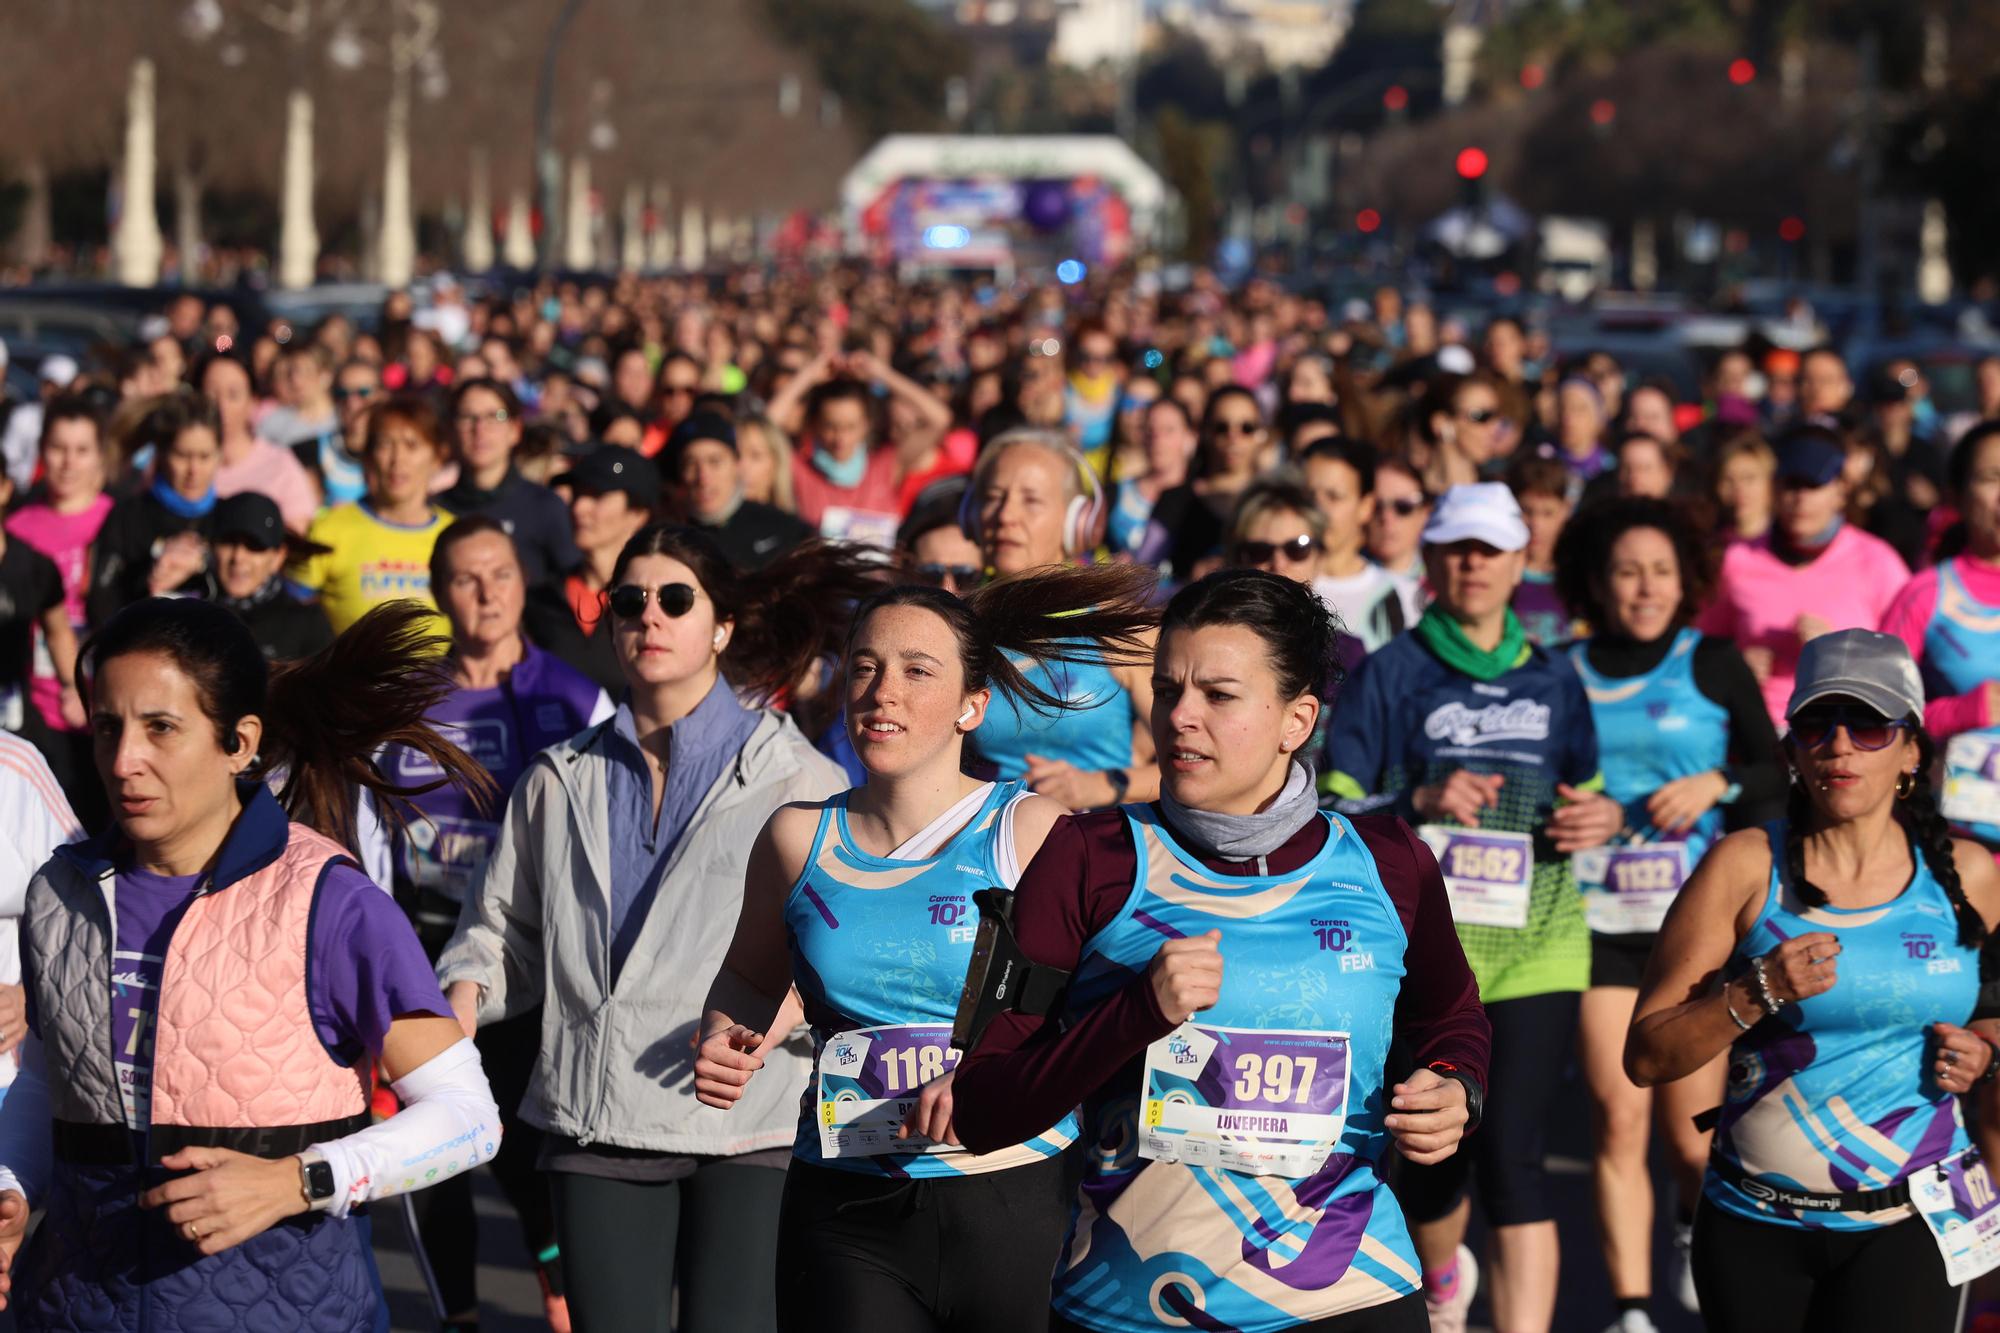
(1927, 829)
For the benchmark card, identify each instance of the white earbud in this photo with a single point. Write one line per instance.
(718, 638)
(966, 716)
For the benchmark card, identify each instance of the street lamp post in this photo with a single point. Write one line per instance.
(548, 165)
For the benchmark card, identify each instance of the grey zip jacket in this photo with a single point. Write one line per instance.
(617, 1061)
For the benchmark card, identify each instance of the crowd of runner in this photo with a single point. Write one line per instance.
(1373, 717)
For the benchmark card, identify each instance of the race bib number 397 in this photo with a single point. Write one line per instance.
(1260, 1102)
(868, 1083)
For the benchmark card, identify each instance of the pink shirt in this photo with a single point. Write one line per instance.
(1760, 598)
(275, 472)
(65, 539)
(1909, 619)
(865, 513)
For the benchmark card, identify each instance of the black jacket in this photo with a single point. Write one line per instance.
(123, 554)
(757, 533)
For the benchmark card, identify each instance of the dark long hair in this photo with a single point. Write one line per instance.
(1081, 615)
(324, 716)
(1927, 829)
(1297, 628)
(787, 615)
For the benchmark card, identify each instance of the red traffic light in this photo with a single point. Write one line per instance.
(1367, 221)
(1532, 76)
(1792, 230)
(1395, 97)
(1603, 111)
(1471, 163)
(1741, 71)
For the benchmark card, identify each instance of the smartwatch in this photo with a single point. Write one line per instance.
(1121, 782)
(316, 1181)
(1475, 1098)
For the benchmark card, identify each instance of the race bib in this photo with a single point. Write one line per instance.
(1262, 1103)
(1487, 875)
(1957, 1202)
(1972, 779)
(444, 853)
(864, 527)
(1627, 890)
(868, 1084)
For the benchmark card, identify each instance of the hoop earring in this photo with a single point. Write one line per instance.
(1905, 784)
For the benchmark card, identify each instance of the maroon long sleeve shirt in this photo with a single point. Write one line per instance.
(1027, 1073)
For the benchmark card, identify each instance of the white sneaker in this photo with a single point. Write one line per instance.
(1633, 1321)
(1683, 1271)
(1448, 1316)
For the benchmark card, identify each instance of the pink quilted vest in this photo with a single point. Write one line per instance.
(236, 1047)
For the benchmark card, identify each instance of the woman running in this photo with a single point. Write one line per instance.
(1033, 502)
(1234, 1173)
(872, 892)
(1485, 740)
(211, 983)
(609, 898)
(1831, 955)
(1682, 735)
(1949, 618)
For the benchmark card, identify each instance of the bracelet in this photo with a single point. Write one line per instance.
(1734, 1017)
(1770, 1002)
(1992, 1065)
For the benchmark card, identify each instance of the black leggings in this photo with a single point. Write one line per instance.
(1531, 1045)
(964, 1254)
(1760, 1277)
(1405, 1314)
(628, 1244)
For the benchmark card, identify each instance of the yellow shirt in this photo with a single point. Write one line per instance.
(371, 561)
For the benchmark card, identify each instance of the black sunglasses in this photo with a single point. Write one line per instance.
(1238, 427)
(1868, 729)
(346, 392)
(1479, 416)
(1300, 547)
(964, 576)
(628, 600)
(1404, 506)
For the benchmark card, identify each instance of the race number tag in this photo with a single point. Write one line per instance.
(1486, 875)
(1972, 779)
(864, 527)
(1263, 1103)
(868, 1083)
(1957, 1202)
(1627, 890)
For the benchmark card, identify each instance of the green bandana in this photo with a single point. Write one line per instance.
(1443, 636)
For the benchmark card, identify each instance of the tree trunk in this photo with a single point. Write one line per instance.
(578, 252)
(397, 253)
(187, 222)
(298, 234)
(37, 233)
(478, 256)
(660, 241)
(520, 243)
(694, 238)
(135, 244)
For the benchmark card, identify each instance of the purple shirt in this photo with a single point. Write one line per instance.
(365, 969)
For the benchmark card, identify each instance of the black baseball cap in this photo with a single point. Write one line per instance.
(251, 519)
(1810, 455)
(613, 467)
(700, 426)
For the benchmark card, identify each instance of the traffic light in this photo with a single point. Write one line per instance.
(1471, 166)
(1741, 71)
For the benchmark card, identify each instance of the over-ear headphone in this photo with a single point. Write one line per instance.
(1085, 513)
(966, 716)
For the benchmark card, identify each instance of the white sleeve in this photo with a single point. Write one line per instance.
(372, 837)
(27, 1144)
(449, 1123)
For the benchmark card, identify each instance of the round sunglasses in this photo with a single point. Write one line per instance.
(1868, 730)
(628, 600)
(1298, 548)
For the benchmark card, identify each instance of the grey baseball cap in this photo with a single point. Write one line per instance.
(1859, 664)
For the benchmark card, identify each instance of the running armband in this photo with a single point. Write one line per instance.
(1000, 978)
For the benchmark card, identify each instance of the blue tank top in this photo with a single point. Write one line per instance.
(1835, 1093)
(1151, 1242)
(1961, 653)
(1652, 729)
(1093, 736)
(885, 943)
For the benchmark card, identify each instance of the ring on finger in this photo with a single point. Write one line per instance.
(193, 1231)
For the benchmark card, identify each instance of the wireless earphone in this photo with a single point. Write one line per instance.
(966, 716)
(1085, 512)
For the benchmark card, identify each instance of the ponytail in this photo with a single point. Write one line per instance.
(1928, 832)
(1076, 614)
(328, 715)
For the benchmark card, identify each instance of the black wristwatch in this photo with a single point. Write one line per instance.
(316, 1181)
(1121, 782)
(1475, 1098)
